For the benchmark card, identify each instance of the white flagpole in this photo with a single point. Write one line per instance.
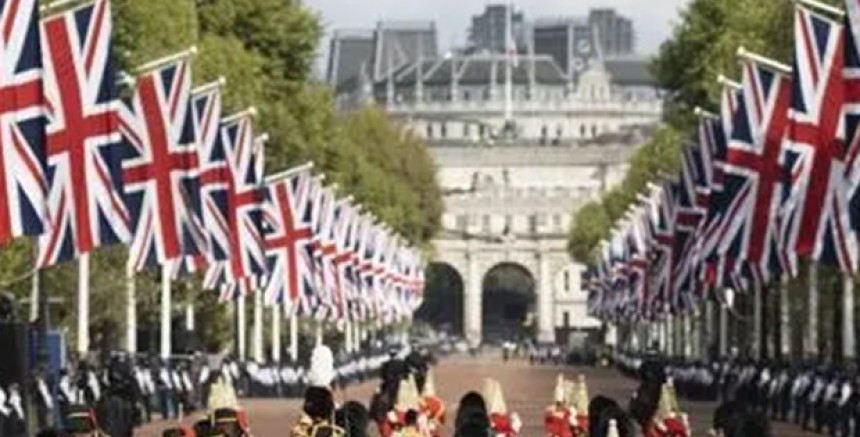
(240, 326)
(130, 311)
(319, 333)
(257, 353)
(759, 344)
(347, 336)
(848, 352)
(277, 319)
(83, 304)
(724, 331)
(784, 316)
(190, 321)
(294, 337)
(34, 296)
(166, 310)
(811, 345)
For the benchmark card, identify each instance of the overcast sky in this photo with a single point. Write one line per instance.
(652, 18)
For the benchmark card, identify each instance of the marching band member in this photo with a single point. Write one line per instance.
(557, 420)
(502, 423)
(578, 404)
(432, 406)
(668, 421)
(317, 418)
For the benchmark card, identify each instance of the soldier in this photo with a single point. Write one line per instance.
(502, 422)
(317, 415)
(432, 406)
(557, 417)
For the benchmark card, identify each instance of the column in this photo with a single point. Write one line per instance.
(848, 351)
(472, 308)
(546, 322)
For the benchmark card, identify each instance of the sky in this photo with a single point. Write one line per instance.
(652, 18)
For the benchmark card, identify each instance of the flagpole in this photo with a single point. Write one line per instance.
(83, 304)
(257, 353)
(347, 335)
(152, 65)
(241, 338)
(784, 316)
(166, 292)
(277, 319)
(724, 331)
(289, 172)
(130, 311)
(294, 337)
(811, 346)
(509, 68)
(758, 339)
(848, 345)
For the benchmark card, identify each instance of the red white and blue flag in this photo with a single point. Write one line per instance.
(288, 242)
(161, 172)
(819, 224)
(84, 145)
(206, 110)
(23, 183)
(755, 178)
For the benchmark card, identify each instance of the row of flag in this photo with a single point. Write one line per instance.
(167, 173)
(771, 178)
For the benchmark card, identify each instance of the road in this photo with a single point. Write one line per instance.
(528, 390)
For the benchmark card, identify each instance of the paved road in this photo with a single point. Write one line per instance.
(528, 389)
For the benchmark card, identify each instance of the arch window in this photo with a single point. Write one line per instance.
(429, 130)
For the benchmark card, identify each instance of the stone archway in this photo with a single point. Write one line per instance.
(509, 300)
(443, 298)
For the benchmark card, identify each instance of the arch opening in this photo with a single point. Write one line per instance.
(443, 299)
(508, 303)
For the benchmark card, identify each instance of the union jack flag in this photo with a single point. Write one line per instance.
(819, 197)
(852, 109)
(754, 175)
(324, 245)
(161, 173)
(84, 145)
(244, 199)
(206, 111)
(23, 203)
(714, 133)
(288, 242)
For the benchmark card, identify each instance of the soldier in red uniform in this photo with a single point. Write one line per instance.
(668, 421)
(502, 423)
(557, 420)
(432, 406)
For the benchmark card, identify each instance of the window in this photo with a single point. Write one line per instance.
(533, 223)
(466, 130)
(593, 130)
(467, 95)
(429, 130)
(509, 224)
(565, 316)
(486, 224)
(556, 222)
(444, 130)
(567, 281)
(582, 131)
(482, 131)
(462, 222)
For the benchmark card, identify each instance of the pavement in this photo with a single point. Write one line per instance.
(528, 390)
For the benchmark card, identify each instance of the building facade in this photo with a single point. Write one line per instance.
(520, 143)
